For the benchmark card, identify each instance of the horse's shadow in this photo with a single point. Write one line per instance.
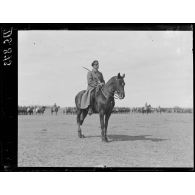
(117, 137)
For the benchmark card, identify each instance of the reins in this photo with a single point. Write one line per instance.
(113, 94)
(105, 94)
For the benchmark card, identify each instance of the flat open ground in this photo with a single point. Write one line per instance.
(136, 140)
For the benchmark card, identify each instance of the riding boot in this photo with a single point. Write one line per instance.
(81, 117)
(90, 111)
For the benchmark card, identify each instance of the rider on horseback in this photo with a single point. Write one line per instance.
(94, 79)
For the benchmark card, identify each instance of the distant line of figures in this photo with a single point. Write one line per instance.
(70, 110)
(30, 110)
(149, 110)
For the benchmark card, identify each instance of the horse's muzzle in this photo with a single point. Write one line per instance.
(121, 95)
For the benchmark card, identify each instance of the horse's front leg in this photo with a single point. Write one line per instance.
(102, 126)
(106, 124)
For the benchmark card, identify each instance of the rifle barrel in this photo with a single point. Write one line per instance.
(86, 68)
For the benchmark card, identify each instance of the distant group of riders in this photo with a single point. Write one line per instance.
(37, 110)
(30, 110)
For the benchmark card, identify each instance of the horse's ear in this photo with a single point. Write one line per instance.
(123, 76)
(119, 76)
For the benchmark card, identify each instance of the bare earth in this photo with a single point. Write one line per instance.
(136, 140)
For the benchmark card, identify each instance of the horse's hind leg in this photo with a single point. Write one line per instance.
(106, 124)
(79, 123)
(82, 117)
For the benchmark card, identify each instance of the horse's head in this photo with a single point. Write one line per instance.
(119, 88)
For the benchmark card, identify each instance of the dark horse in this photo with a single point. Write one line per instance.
(55, 109)
(103, 103)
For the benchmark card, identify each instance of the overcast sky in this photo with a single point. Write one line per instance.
(158, 65)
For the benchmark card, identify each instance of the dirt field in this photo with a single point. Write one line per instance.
(136, 140)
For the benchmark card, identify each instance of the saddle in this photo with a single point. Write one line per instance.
(89, 99)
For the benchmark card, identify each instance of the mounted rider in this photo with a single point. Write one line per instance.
(94, 79)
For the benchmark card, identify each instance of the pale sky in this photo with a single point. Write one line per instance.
(158, 65)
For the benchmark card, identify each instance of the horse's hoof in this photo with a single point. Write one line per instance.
(105, 140)
(81, 136)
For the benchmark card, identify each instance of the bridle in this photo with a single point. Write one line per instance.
(113, 94)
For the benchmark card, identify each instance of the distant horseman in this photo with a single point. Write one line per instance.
(55, 109)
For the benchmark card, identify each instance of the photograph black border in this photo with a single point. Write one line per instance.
(9, 93)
